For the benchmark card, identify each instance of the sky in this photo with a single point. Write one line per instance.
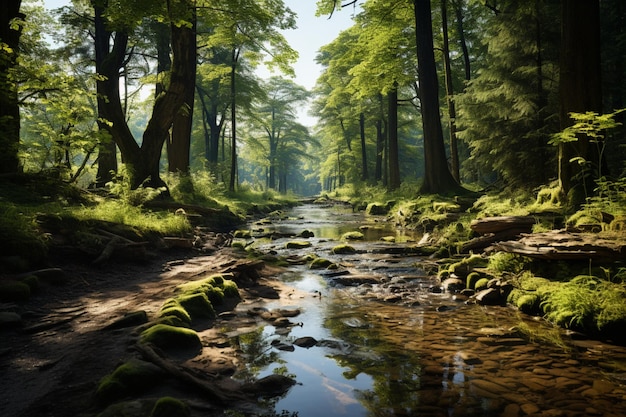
(312, 33)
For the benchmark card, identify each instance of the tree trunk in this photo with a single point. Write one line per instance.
(580, 91)
(394, 160)
(364, 173)
(458, 9)
(9, 107)
(454, 150)
(179, 146)
(437, 177)
(233, 122)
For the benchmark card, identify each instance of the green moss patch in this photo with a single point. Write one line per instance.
(197, 305)
(171, 337)
(170, 407)
(320, 263)
(343, 249)
(130, 378)
(352, 236)
(298, 244)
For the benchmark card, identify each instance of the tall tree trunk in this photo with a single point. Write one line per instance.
(109, 60)
(9, 107)
(454, 149)
(233, 122)
(394, 159)
(179, 145)
(437, 177)
(458, 9)
(580, 91)
(364, 170)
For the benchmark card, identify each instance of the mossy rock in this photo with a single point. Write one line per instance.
(33, 282)
(133, 408)
(242, 234)
(388, 239)
(176, 311)
(529, 303)
(230, 289)
(481, 284)
(14, 291)
(298, 244)
(320, 263)
(197, 305)
(170, 407)
(170, 337)
(377, 209)
(472, 279)
(238, 244)
(132, 377)
(352, 236)
(343, 249)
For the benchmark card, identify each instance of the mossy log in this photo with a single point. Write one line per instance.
(564, 245)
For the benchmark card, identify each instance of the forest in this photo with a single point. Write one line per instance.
(444, 112)
(494, 129)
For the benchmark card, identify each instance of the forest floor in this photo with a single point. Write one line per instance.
(52, 363)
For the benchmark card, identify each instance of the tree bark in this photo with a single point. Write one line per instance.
(580, 89)
(364, 173)
(454, 151)
(9, 107)
(437, 176)
(179, 146)
(394, 160)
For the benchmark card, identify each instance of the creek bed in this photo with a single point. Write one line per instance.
(391, 347)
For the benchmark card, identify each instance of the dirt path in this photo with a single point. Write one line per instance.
(52, 365)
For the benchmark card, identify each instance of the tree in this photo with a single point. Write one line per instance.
(142, 161)
(10, 31)
(580, 91)
(437, 176)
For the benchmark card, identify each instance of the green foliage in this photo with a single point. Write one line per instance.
(507, 262)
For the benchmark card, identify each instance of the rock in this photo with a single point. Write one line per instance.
(269, 386)
(511, 410)
(9, 320)
(603, 387)
(529, 408)
(305, 342)
(453, 284)
(489, 297)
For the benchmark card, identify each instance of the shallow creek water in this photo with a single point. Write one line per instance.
(432, 356)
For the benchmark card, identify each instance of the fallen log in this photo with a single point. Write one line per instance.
(564, 245)
(502, 223)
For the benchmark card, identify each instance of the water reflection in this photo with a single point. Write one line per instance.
(381, 359)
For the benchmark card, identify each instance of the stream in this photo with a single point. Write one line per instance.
(392, 347)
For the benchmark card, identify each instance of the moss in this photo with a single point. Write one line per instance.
(529, 303)
(132, 377)
(377, 209)
(508, 262)
(472, 279)
(176, 311)
(481, 284)
(238, 244)
(168, 337)
(388, 239)
(297, 244)
(170, 407)
(352, 236)
(531, 283)
(14, 291)
(343, 249)
(242, 234)
(320, 263)
(215, 287)
(197, 305)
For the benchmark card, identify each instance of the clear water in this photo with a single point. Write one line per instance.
(437, 357)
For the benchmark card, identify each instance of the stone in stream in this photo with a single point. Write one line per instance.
(453, 285)
(305, 342)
